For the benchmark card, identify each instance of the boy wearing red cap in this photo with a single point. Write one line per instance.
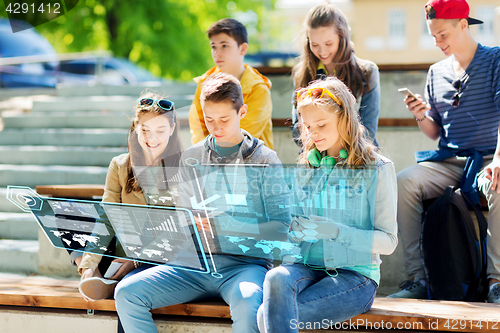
(463, 112)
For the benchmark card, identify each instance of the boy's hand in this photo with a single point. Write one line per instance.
(202, 223)
(493, 174)
(417, 106)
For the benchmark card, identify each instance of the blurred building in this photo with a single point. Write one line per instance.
(284, 26)
(395, 31)
(384, 31)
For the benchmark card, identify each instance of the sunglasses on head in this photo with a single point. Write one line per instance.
(455, 99)
(164, 104)
(315, 93)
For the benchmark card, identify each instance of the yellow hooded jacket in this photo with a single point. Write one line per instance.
(256, 94)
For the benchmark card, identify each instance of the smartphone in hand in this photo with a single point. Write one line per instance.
(112, 269)
(406, 92)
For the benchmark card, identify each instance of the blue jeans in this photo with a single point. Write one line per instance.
(240, 287)
(296, 296)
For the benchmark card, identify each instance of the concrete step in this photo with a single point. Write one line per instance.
(13, 92)
(35, 320)
(69, 137)
(87, 103)
(19, 256)
(67, 120)
(59, 155)
(167, 89)
(18, 226)
(6, 205)
(98, 103)
(32, 175)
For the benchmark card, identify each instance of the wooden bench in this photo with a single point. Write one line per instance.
(76, 191)
(386, 313)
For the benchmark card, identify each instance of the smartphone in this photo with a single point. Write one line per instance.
(406, 92)
(112, 269)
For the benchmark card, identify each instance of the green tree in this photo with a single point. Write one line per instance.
(166, 37)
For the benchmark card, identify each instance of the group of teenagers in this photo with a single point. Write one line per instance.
(335, 115)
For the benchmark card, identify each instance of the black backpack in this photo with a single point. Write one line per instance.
(453, 249)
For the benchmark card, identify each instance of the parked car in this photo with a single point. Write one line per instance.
(272, 59)
(115, 71)
(29, 42)
(26, 43)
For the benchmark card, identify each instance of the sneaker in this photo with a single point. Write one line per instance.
(494, 294)
(96, 288)
(411, 289)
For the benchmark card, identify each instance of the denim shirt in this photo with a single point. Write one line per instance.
(381, 239)
(468, 183)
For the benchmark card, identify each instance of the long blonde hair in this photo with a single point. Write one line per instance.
(352, 133)
(347, 68)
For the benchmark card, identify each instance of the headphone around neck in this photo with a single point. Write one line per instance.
(316, 160)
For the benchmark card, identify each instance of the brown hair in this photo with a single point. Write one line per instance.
(430, 13)
(220, 88)
(352, 134)
(230, 27)
(137, 157)
(347, 68)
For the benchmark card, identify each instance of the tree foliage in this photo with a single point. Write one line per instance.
(166, 37)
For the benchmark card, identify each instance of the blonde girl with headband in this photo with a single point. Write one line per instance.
(153, 140)
(298, 294)
(328, 51)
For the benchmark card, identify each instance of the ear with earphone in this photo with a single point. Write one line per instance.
(316, 160)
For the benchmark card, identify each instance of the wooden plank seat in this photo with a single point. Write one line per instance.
(78, 191)
(64, 294)
(386, 313)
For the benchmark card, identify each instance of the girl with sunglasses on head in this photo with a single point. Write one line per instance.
(153, 141)
(328, 51)
(309, 290)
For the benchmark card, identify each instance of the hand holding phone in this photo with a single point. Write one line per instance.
(112, 269)
(406, 93)
(417, 107)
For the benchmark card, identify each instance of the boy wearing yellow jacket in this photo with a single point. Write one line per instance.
(229, 44)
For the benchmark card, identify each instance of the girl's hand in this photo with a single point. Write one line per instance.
(126, 267)
(88, 273)
(296, 231)
(313, 228)
(327, 228)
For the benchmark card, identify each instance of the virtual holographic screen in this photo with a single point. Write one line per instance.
(250, 208)
(157, 235)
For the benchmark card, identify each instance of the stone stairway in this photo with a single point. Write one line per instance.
(69, 138)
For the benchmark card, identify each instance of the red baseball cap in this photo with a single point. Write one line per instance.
(450, 10)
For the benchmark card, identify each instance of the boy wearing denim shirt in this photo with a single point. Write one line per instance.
(236, 278)
(463, 112)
